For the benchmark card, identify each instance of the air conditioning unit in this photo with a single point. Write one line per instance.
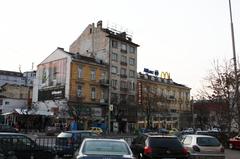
(54, 82)
(102, 100)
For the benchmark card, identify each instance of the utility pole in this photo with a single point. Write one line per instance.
(234, 59)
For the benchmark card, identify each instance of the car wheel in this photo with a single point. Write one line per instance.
(231, 146)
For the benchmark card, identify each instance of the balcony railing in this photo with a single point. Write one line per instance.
(123, 75)
(123, 63)
(124, 89)
(104, 82)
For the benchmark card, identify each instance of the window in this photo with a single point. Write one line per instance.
(7, 103)
(114, 70)
(1, 102)
(207, 141)
(132, 85)
(131, 49)
(103, 75)
(79, 91)
(124, 59)
(44, 75)
(114, 44)
(123, 71)
(131, 98)
(123, 47)
(114, 56)
(114, 83)
(187, 140)
(55, 71)
(93, 74)
(132, 61)
(80, 72)
(114, 98)
(131, 73)
(123, 84)
(93, 93)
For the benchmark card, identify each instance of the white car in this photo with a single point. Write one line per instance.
(104, 148)
(203, 146)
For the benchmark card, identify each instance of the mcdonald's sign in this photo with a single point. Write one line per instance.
(165, 75)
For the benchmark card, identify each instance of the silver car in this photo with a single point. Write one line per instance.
(203, 147)
(104, 149)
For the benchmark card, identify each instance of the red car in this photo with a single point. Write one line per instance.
(234, 143)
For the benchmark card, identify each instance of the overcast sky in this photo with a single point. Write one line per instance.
(182, 37)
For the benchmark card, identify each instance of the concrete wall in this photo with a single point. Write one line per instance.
(8, 104)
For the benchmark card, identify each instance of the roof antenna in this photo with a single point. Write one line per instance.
(32, 66)
(20, 69)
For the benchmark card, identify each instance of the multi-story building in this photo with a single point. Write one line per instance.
(72, 85)
(13, 96)
(117, 49)
(29, 77)
(162, 102)
(18, 78)
(11, 77)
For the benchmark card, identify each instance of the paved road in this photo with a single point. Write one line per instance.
(232, 154)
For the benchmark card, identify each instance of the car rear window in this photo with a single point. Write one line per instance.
(208, 141)
(102, 147)
(165, 142)
(65, 134)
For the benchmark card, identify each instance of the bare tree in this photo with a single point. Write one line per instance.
(219, 88)
(151, 103)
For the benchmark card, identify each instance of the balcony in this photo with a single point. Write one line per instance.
(123, 76)
(123, 63)
(124, 89)
(104, 82)
(103, 101)
(123, 51)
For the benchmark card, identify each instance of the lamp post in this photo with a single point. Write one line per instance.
(234, 56)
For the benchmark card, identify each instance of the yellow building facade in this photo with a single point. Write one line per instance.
(88, 94)
(162, 102)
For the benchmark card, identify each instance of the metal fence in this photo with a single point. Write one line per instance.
(42, 146)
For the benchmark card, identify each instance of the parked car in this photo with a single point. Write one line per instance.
(67, 142)
(221, 136)
(104, 149)
(234, 143)
(20, 146)
(7, 128)
(149, 146)
(97, 130)
(203, 146)
(163, 131)
(52, 130)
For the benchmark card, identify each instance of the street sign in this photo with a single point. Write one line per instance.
(111, 107)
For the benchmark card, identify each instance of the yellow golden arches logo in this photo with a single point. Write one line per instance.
(165, 75)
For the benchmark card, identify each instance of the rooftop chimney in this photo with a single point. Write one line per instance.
(99, 24)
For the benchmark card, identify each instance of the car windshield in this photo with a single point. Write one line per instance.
(164, 142)
(207, 141)
(98, 147)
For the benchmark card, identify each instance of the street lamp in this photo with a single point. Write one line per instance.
(234, 55)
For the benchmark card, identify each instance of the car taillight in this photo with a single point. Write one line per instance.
(184, 151)
(147, 150)
(222, 149)
(196, 148)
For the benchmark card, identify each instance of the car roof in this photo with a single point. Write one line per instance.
(159, 135)
(196, 135)
(103, 139)
(10, 133)
(77, 131)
